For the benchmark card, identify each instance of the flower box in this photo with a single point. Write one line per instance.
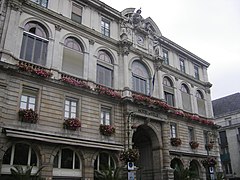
(209, 146)
(107, 130)
(209, 162)
(194, 144)
(176, 141)
(130, 155)
(28, 115)
(75, 82)
(72, 124)
(34, 70)
(107, 91)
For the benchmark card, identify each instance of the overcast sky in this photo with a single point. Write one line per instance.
(208, 28)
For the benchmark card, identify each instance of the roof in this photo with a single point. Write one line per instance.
(226, 105)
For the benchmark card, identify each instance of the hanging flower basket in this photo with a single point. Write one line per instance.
(28, 115)
(209, 162)
(176, 141)
(194, 144)
(209, 146)
(72, 124)
(130, 155)
(107, 130)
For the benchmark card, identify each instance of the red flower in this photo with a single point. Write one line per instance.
(107, 91)
(75, 82)
(107, 130)
(72, 124)
(194, 144)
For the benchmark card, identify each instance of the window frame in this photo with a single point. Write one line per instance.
(29, 92)
(182, 64)
(67, 172)
(32, 39)
(5, 169)
(173, 130)
(106, 67)
(191, 134)
(98, 159)
(41, 3)
(71, 100)
(142, 80)
(104, 29)
(73, 14)
(196, 72)
(165, 58)
(103, 111)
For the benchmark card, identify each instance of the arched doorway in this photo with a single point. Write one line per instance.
(146, 141)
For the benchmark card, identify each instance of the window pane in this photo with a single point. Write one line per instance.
(73, 115)
(21, 154)
(76, 18)
(31, 106)
(103, 161)
(55, 162)
(32, 100)
(33, 158)
(67, 159)
(22, 54)
(7, 156)
(77, 162)
(29, 48)
(37, 51)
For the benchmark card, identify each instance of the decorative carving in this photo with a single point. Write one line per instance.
(58, 27)
(91, 41)
(16, 5)
(125, 44)
(137, 20)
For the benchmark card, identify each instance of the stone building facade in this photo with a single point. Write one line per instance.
(227, 115)
(80, 82)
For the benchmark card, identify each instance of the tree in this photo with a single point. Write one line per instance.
(18, 173)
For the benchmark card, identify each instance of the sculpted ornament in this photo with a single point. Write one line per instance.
(137, 20)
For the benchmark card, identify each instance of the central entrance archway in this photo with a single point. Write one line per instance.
(146, 141)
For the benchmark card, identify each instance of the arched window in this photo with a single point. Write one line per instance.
(67, 163)
(200, 103)
(19, 154)
(168, 91)
(34, 43)
(104, 69)
(140, 78)
(186, 98)
(73, 58)
(199, 94)
(184, 88)
(104, 162)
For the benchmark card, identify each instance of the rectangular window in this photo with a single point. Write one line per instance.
(43, 3)
(223, 138)
(139, 85)
(76, 13)
(173, 130)
(165, 56)
(28, 98)
(169, 98)
(190, 134)
(105, 27)
(182, 64)
(105, 116)
(205, 135)
(196, 72)
(70, 110)
(104, 76)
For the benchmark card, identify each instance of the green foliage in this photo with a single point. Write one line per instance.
(18, 173)
(108, 174)
(220, 176)
(183, 174)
